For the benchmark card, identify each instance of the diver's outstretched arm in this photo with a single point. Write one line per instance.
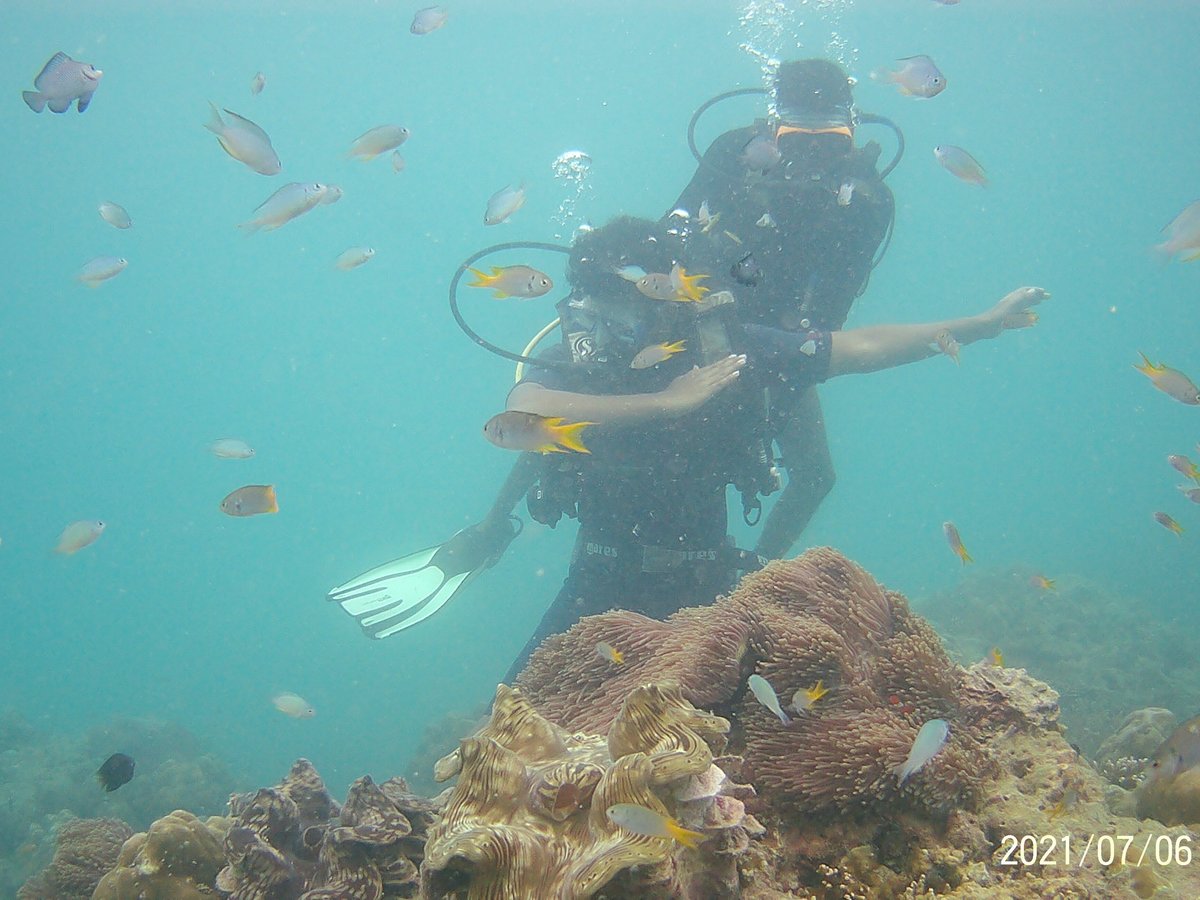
(522, 476)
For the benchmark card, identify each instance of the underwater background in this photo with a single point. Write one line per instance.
(365, 402)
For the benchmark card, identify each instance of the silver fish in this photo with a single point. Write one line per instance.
(332, 194)
(397, 161)
(929, 743)
(353, 258)
(101, 269)
(431, 18)
(765, 694)
(115, 215)
(380, 139)
(961, 164)
(257, 83)
(918, 76)
(61, 82)
(504, 203)
(760, 153)
(292, 200)
(244, 141)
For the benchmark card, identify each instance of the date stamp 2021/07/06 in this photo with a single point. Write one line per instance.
(1027, 850)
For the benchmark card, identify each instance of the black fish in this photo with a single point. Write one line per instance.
(746, 270)
(116, 771)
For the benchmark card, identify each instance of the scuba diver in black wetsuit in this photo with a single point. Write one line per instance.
(796, 240)
(650, 495)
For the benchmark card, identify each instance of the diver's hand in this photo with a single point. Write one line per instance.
(1011, 311)
(693, 389)
(484, 543)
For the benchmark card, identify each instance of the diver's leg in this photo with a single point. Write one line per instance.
(805, 450)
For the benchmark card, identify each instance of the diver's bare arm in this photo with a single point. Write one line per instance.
(879, 347)
(683, 395)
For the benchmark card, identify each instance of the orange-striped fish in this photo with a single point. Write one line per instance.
(956, 543)
(515, 430)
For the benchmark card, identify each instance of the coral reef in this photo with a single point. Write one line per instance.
(84, 850)
(176, 859)
(294, 840)
(50, 780)
(1139, 735)
(817, 618)
(527, 817)
(1087, 641)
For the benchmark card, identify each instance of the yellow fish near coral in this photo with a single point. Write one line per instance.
(995, 658)
(804, 699)
(645, 821)
(607, 651)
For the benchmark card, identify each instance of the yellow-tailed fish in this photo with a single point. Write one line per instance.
(504, 203)
(1168, 523)
(1190, 491)
(947, 344)
(645, 821)
(1026, 318)
(656, 353)
(995, 658)
(78, 535)
(804, 699)
(525, 282)
(956, 543)
(1042, 583)
(608, 652)
(101, 269)
(687, 287)
(231, 448)
(656, 286)
(526, 431)
(251, 500)
(293, 705)
(1184, 466)
(244, 141)
(291, 200)
(115, 215)
(1170, 381)
(353, 258)
(961, 164)
(380, 139)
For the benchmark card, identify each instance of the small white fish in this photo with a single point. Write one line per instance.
(504, 203)
(62, 81)
(431, 18)
(706, 219)
(379, 139)
(947, 344)
(633, 274)
(845, 193)
(961, 164)
(929, 741)
(293, 705)
(765, 694)
(398, 163)
(244, 141)
(765, 221)
(332, 195)
(78, 535)
(257, 83)
(115, 215)
(101, 269)
(354, 257)
(231, 448)
(291, 200)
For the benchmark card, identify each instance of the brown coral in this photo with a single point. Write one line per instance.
(527, 817)
(178, 858)
(84, 850)
(816, 618)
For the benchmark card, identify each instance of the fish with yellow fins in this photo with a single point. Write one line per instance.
(678, 285)
(608, 652)
(524, 282)
(651, 356)
(645, 821)
(1168, 523)
(956, 543)
(805, 698)
(1170, 381)
(1042, 583)
(526, 431)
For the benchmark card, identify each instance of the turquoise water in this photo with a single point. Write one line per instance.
(365, 403)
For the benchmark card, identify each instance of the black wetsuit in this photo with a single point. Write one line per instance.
(651, 498)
